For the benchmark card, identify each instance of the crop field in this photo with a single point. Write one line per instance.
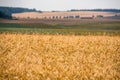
(59, 57)
(37, 49)
(64, 27)
(37, 15)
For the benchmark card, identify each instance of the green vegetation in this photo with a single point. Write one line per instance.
(3, 15)
(110, 28)
(6, 12)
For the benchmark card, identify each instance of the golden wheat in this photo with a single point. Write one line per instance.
(59, 57)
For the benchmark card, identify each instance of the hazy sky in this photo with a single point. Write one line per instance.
(48, 5)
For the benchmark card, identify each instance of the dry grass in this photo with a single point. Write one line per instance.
(59, 57)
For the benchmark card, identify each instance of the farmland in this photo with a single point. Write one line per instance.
(35, 49)
(49, 15)
(59, 57)
(77, 27)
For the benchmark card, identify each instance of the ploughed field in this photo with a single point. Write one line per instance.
(59, 57)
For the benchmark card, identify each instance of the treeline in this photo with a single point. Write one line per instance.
(100, 10)
(6, 12)
(5, 15)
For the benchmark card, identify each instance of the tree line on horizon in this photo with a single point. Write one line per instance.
(101, 10)
(6, 12)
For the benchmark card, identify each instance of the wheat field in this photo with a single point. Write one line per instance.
(48, 15)
(59, 57)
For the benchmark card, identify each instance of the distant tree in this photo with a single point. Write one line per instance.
(101, 10)
(6, 12)
(6, 16)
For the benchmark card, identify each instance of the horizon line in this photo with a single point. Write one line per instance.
(62, 10)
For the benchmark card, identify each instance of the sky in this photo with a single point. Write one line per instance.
(62, 5)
